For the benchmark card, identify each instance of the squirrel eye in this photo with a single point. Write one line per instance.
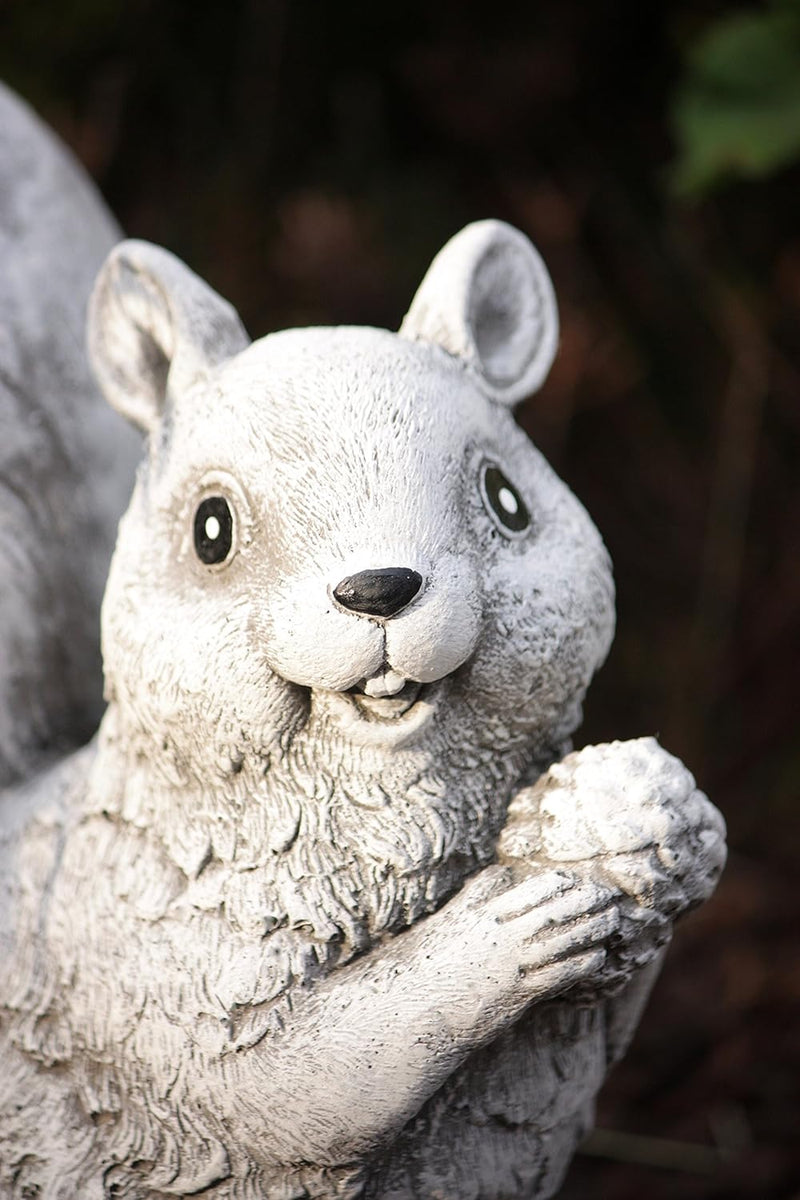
(502, 501)
(213, 530)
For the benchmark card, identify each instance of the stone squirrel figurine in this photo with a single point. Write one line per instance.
(66, 460)
(329, 909)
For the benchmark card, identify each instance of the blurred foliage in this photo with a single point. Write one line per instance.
(736, 112)
(310, 158)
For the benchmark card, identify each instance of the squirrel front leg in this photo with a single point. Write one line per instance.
(613, 843)
(365, 1048)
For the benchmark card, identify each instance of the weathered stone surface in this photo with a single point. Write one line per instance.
(328, 908)
(66, 460)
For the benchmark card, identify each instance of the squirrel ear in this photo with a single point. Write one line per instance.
(487, 298)
(154, 328)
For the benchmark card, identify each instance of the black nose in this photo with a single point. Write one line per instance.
(380, 593)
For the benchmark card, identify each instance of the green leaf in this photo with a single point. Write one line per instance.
(737, 110)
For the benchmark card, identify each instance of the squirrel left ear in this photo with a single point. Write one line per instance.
(487, 299)
(154, 327)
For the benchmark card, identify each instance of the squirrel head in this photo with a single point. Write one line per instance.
(346, 526)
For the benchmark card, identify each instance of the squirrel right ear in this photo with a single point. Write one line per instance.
(488, 300)
(154, 328)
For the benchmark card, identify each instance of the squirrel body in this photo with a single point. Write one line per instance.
(329, 908)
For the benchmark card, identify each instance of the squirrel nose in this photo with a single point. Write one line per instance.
(380, 593)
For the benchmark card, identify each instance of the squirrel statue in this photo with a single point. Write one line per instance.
(329, 908)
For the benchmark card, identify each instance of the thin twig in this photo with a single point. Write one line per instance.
(671, 1155)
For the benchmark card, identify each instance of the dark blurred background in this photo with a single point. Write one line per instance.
(308, 159)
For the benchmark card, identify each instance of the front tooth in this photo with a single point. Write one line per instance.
(387, 684)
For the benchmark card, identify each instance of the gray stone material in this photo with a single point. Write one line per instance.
(329, 908)
(66, 460)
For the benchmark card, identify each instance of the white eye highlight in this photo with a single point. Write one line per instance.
(213, 528)
(508, 501)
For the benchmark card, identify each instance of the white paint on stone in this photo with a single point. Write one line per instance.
(508, 500)
(328, 908)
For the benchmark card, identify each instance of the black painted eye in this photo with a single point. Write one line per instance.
(503, 502)
(213, 530)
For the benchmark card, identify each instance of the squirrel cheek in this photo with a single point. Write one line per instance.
(318, 646)
(426, 645)
(440, 631)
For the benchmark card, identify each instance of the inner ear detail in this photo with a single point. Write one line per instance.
(152, 321)
(488, 300)
(505, 316)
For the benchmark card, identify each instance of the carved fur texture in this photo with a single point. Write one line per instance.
(324, 911)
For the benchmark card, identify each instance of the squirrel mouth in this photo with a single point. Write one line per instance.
(385, 710)
(387, 707)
